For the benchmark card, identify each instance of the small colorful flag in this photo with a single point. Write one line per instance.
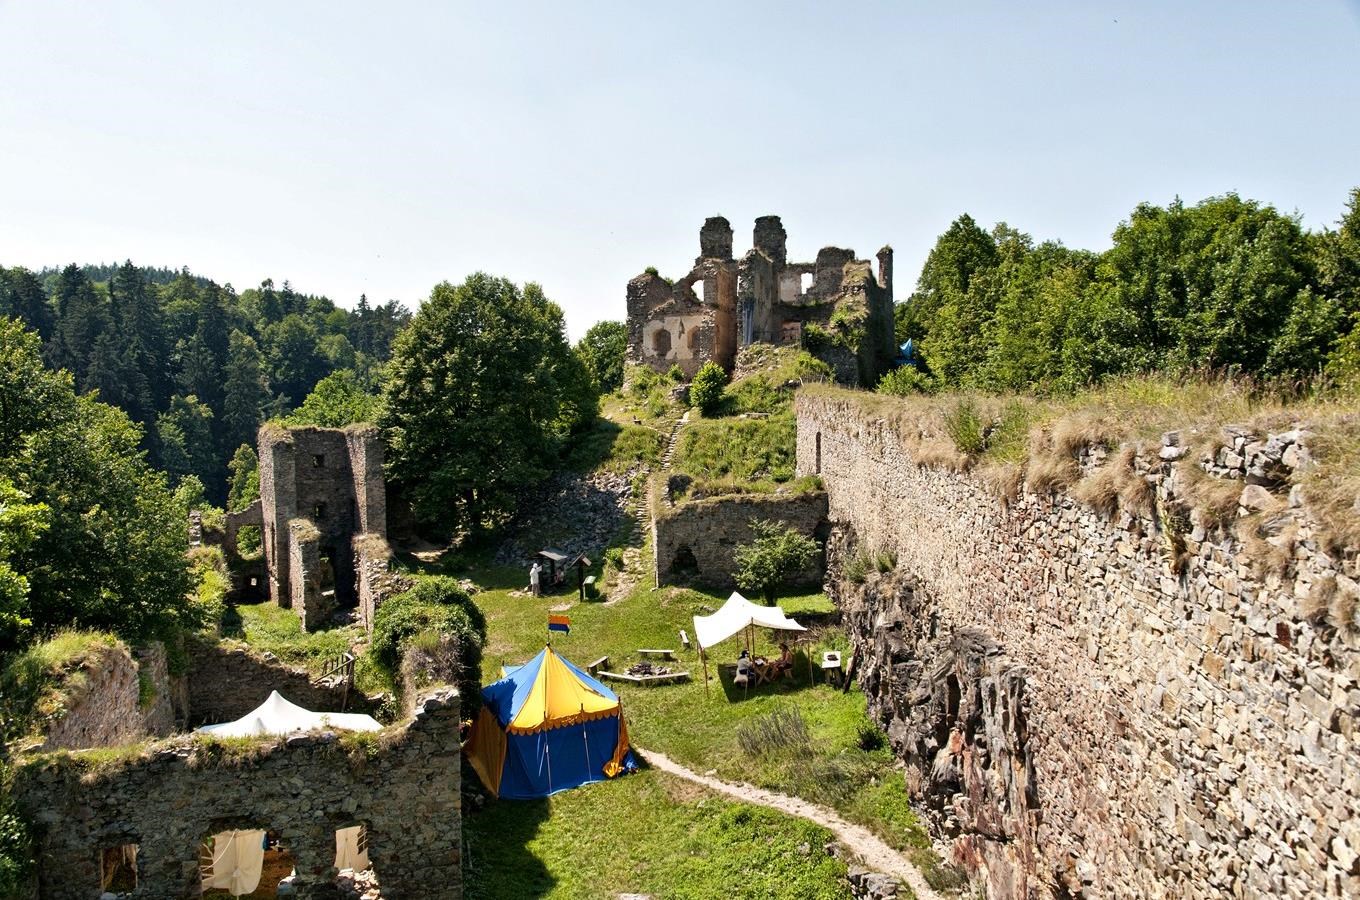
(559, 623)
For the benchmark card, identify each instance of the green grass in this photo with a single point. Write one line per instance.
(269, 628)
(697, 727)
(749, 450)
(647, 833)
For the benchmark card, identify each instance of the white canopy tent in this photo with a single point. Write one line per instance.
(277, 716)
(737, 615)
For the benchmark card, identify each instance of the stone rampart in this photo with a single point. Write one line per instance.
(695, 538)
(117, 697)
(1119, 704)
(402, 785)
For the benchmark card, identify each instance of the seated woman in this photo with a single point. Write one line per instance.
(784, 663)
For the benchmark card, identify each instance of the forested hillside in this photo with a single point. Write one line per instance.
(196, 364)
(1226, 285)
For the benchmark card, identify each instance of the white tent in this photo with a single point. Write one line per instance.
(736, 614)
(277, 716)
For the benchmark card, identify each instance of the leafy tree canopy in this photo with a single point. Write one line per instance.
(603, 350)
(88, 525)
(775, 556)
(482, 396)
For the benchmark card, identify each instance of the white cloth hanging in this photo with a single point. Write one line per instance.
(351, 850)
(238, 860)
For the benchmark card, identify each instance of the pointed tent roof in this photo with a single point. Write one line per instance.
(278, 716)
(547, 692)
(737, 613)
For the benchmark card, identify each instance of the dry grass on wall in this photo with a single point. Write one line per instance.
(1039, 442)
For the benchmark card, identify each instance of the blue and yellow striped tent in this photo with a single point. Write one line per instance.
(546, 727)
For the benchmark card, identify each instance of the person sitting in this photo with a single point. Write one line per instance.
(784, 664)
(745, 669)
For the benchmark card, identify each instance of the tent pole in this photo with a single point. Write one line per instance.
(703, 658)
(812, 675)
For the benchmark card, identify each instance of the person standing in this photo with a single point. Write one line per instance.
(535, 576)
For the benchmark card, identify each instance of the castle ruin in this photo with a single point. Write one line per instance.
(323, 504)
(724, 304)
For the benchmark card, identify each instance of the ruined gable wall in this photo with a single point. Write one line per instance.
(1116, 729)
(713, 528)
(104, 700)
(168, 801)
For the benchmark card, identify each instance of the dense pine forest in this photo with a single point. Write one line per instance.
(197, 365)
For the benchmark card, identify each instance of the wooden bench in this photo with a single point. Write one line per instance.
(594, 668)
(644, 679)
(659, 654)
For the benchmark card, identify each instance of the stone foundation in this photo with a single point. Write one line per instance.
(227, 680)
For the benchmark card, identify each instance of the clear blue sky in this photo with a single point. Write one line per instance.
(380, 148)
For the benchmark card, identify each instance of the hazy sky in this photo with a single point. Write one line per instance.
(382, 147)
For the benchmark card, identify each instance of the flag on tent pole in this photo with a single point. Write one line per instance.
(559, 623)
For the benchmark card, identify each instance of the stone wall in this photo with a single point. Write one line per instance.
(403, 787)
(104, 700)
(695, 539)
(228, 680)
(1103, 706)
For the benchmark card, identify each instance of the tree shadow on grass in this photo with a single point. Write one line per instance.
(497, 861)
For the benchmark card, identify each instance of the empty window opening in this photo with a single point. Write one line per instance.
(327, 574)
(699, 290)
(248, 542)
(318, 460)
(239, 862)
(118, 869)
(661, 342)
(805, 282)
(319, 512)
(692, 339)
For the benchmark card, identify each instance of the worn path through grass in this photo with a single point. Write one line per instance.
(875, 854)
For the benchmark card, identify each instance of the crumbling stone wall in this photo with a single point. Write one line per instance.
(1126, 707)
(695, 539)
(105, 700)
(760, 299)
(227, 680)
(320, 489)
(404, 790)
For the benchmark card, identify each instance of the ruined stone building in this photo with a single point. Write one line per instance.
(323, 509)
(835, 306)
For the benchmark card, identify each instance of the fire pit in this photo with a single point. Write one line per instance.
(643, 669)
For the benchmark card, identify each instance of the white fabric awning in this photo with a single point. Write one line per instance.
(277, 716)
(738, 613)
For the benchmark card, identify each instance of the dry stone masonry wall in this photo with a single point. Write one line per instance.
(695, 539)
(1129, 705)
(404, 788)
(117, 697)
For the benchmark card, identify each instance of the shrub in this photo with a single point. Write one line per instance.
(783, 730)
(965, 428)
(857, 568)
(676, 374)
(885, 560)
(436, 604)
(905, 381)
(870, 737)
(706, 391)
(613, 557)
(777, 554)
(815, 338)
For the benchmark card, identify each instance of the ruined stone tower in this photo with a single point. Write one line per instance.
(324, 509)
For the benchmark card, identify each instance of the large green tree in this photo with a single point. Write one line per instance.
(602, 349)
(482, 395)
(246, 391)
(110, 554)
